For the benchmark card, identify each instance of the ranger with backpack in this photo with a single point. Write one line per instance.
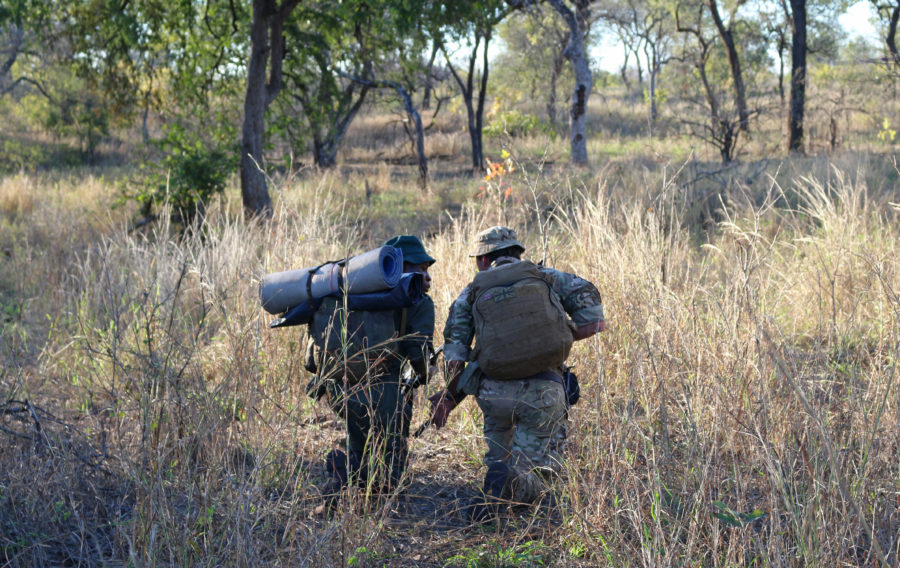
(524, 319)
(356, 357)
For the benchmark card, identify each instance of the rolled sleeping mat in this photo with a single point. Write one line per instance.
(373, 271)
(408, 292)
(378, 269)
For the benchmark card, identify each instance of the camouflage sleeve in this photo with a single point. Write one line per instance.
(459, 329)
(420, 328)
(580, 298)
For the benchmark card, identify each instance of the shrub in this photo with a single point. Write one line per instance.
(191, 172)
(516, 124)
(70, 110)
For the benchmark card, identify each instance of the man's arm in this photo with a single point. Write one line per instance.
(443, 402)
(459, 330)
(417, 344)
(581, 300)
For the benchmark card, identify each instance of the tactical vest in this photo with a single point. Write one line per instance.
(521, 327)
(354, 346)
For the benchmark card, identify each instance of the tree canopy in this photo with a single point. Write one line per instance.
(295, 75)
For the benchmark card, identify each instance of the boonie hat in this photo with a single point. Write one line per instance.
(412, 247)
(495, 238)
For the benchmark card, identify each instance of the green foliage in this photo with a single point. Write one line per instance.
(328, 47)
(661, 96)
(69, 109)
(17, 155)
(192, 172)
(516, 123)
(734, 518)
(531, 553)
(363, 556)
(887, 134)
(533, 48)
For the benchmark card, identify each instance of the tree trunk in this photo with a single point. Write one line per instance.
(576, 54)
(419, 135)
(426, 95)
(781, 73)
(640, 70)
(555, 72)
(891, 39)
(145, 131)
(473, 117)
(14, 46)
(740, 93)
(324, 153)
(254, 192)
(478, 160)
(325, 147)
(623, 72)
(729, 141)
(266, 54)
(798, 76)
(474, 135)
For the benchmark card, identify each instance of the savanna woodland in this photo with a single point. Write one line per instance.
(730, 186)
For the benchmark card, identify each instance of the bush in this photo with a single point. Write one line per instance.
(191, 173)
(516, 124)
(71, 110)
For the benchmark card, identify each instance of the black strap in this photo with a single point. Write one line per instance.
(315, 269)
(403, 314)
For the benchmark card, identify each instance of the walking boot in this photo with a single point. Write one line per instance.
(486, 508)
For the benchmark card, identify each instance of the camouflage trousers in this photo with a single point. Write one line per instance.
(524, 420)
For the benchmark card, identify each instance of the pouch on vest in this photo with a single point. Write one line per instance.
(351, 346)
(521, 327)
(570, 382)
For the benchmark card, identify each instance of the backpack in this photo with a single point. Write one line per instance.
(350, 346)
(521, 327)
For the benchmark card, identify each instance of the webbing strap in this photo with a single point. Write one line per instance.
(403, 315)
(312, 272)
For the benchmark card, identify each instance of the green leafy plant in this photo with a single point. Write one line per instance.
(731, 517)
(887, 134)
(70, 109)
(516, 124)
(363, 556)
(192, 172)
(531, 553)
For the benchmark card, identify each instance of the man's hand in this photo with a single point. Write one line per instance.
(442, 404)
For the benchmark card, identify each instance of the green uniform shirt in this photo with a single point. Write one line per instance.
(419, 332)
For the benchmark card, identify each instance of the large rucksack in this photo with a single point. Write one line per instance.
(351, 346)
(521, 327)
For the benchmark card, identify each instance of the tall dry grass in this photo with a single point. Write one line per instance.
(741, 410)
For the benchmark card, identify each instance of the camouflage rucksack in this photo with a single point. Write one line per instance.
(521, 327)
(350, 346)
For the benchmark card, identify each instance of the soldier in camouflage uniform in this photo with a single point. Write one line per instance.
(523, 418)
(376, 413)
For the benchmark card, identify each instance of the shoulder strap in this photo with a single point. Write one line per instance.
(503, 275)
(403, 315)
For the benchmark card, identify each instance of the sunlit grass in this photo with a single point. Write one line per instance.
(740, 410)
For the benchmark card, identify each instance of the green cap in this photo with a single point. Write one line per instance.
(496, 238)
(413, 250)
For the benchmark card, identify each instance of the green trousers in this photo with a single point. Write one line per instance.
(377, 429)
